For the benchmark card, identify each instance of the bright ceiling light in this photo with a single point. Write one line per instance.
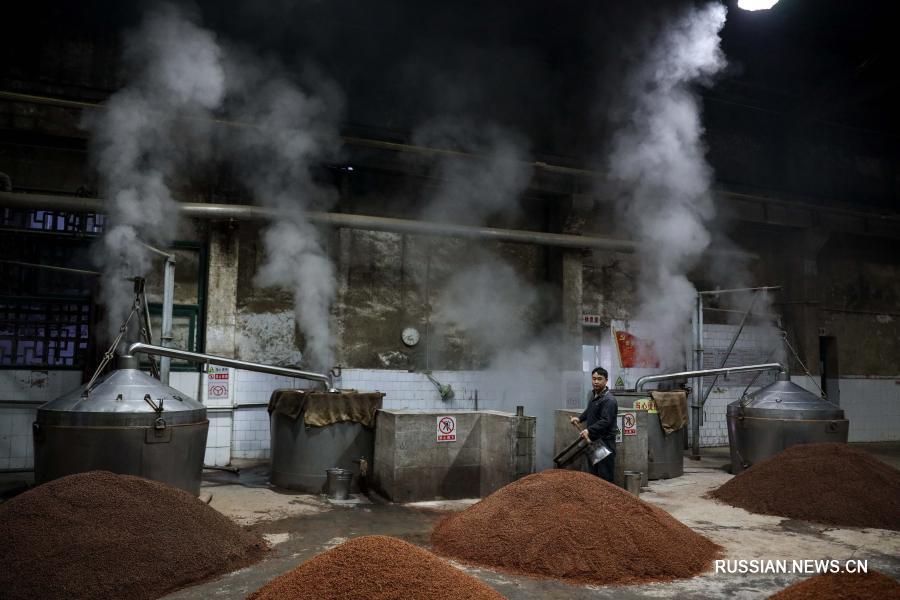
(756, 4)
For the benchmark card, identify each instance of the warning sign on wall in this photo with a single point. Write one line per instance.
(217, 383)
(446, 429)
(629, 423)
(645, 404)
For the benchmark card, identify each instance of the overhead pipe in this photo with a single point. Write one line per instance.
(695, 442)
(243, 212)
(766, 288)
(537, 165)
(197, 357)
(51, 268)
(642, 381)
(350, 140)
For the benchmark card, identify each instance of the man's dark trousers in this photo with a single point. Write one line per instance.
(606, 468)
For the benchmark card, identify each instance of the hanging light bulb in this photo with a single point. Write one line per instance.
(756, 4)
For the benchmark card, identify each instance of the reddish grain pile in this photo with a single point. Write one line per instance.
(842, 586)
(100, 535)
(375, 567)
(576, 527)
(824, 483)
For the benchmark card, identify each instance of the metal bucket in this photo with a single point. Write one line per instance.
(338, 483)
(633, 482)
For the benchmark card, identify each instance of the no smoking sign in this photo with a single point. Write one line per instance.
(446, 429)
(629, 423)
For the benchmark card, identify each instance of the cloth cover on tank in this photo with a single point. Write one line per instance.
(325, 408)
(672, 407)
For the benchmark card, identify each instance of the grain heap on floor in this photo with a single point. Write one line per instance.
(823, 483)
(842, 586)
(575, 527)
(375, 567)
(101, 535)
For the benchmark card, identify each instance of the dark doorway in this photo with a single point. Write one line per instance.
(828, 367)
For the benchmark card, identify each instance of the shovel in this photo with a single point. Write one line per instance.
(596, 451)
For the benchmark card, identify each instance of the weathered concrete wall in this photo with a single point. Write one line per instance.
(410, 465)
(387, 282)
(610, 288)
(391, 281)
(507, 452)
(187, 271)
(860, 303)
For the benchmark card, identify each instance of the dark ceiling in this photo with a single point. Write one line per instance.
(825, 59)
(545, 69)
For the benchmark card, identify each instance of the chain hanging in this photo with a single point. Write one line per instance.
(138, 307)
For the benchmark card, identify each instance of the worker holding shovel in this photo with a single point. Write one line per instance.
(600, 418)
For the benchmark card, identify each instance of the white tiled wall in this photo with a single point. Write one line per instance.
(249, 427)
(16, 450)
(871, 404)
(186, 383)
(405, 391)
(873, 407)
(16, 386)
(218, 441)
(753, 346)
(40, 386)
(250, 437)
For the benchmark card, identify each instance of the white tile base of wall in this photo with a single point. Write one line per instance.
(22, 385)
(871, 404)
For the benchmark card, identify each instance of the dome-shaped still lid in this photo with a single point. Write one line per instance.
(784, 399)
(125, 396)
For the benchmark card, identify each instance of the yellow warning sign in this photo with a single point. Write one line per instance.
(645, 404)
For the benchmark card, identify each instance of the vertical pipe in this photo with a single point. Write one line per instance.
(168, 303)
(698, 384)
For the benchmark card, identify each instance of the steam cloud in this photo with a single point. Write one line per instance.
(184, 77)
(490, 303)
(472, 190)
(659, 172)
(501, 314)
(292, 131)
(140, 139)
(486, 299)
(498, 310)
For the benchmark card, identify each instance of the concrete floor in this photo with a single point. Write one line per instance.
(300, 526)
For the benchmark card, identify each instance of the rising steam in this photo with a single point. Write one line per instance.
(482, 177)
(490, 303)
(184, 77)
(139, 140)
(292, 131)
(487, 183)
(658, 170)
(499, 311)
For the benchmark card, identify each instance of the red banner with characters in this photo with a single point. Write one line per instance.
(635, 352)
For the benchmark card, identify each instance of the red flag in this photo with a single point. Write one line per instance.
(635, 352)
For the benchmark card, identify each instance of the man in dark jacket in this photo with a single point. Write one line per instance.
(600, 417)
